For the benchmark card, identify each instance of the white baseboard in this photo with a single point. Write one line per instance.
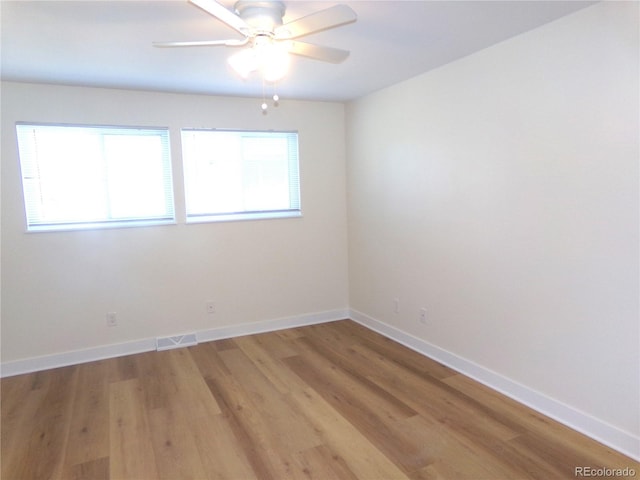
(624, 442)
(271, 325)
(46, 362)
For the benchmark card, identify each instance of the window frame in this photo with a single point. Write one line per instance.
(242, 215)
(33, 224)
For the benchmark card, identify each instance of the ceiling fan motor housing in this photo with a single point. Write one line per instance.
(264, 17)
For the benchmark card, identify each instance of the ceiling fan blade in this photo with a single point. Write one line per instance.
(317, 52)
(221, 13)
(203, 43)
(315, 22)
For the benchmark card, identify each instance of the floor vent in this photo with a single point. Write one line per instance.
(167, 343)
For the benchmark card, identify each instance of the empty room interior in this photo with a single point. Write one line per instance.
(320, 240)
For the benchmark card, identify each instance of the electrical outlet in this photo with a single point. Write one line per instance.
(423, 316)
(396, 305)
(211, 307)
(112, 319)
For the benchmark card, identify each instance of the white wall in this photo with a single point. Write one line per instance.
(501, 193)
(58, 287)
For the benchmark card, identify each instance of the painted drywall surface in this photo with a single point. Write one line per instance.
(58, 287)
(500, 192)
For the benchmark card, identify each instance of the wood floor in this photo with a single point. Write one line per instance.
(331, 401)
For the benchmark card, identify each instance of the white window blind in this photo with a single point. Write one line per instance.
(77, 176)
(240, 174)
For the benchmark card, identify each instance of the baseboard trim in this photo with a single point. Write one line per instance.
(607, 434)
(47, 362)
(56, 360)
(272, 325)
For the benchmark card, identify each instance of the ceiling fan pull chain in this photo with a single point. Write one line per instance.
(264, 99)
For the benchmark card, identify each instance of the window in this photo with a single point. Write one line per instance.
(77, 177)
(231, 175)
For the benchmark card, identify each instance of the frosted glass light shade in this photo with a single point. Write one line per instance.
(272, 59)
(244, 62)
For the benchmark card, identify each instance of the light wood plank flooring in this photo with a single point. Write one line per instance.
(331, 401)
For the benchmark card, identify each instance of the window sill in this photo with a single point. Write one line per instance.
(71, 227)
(236, 217)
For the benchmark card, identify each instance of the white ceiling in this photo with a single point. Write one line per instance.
(108, 43)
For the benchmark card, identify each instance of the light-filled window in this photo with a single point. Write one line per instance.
(231, 175)
(76, 176)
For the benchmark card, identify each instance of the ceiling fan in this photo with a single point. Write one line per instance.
(261, 24)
